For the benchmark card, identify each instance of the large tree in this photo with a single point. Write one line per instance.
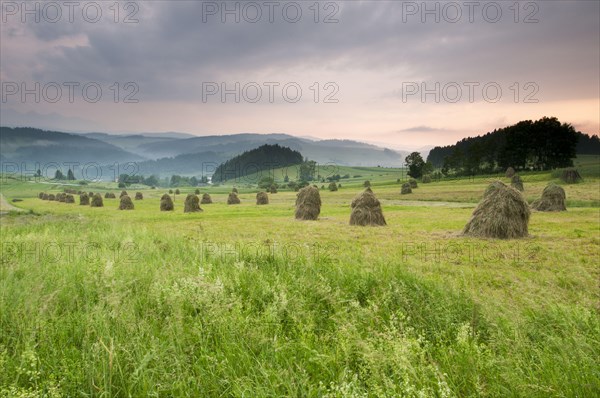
(415, 164)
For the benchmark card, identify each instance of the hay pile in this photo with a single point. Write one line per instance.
(273, 189)
(109, 195)
(166, 203)
(45, 196)
(366, 210)
(503, 213)
(206, 199)
(192, 204)
(197, 192)
(51, 197)
(571, 176)
(406, 189)
(61, 197)
(126, 203)
(233, 199)
(139, 196)
(177, 191)
(234, 190)
(97, 201)
(308, 203)
(84, 199)
(426, 179)
(262, 198)
(123, 193)
(553, 199)
(510, 172)
(516, 182)
(69, 199)
(413, 183)
(171, 191)
(91, 194)
(333, 186)
(41, 195)
(367, 184)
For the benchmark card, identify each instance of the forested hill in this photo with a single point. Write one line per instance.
(266, 157)
(543, 144)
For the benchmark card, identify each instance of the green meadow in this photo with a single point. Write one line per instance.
(245, 301)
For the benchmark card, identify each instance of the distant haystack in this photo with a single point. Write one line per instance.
(109, 195)
(503, 213)
(166, 203)
(90, 194)
(308, 203)
(413, 183)
(517, 183)
(235, 190)
(233, 199)
(426, 179)
(366, 210)
(553, 199)
(571, 176)
(197, 192)
(51, 197)
(41, 195)
(406, 189)
(171, 191)
(69, 199)
(367, 184)
(45, 196)
(139, 196)
(262, 198)
(84, 199)
(206, 199)
(510, 172)
(273, 188)
(97, 201)
(177, 191)
(123, 193)
(333, 186)
(192, 204)
(61, 197)
(126, 203)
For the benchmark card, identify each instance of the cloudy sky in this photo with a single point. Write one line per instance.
(406, 74)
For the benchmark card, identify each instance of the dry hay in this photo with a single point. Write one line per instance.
(45, 196)
(333, 186)
(41, 195)
(84, 199)
(109, 195)
(91, 194)
(206, 199)
(123, 193)
(233, 199)
(192, 204)
(97, 201)
(367, 184)
(426, 179)
(273, 189)
(166, 203)
(69, 198)
(571, 176)
(51, 197)
(413, 183)
(139, 196)
(366, 210)
(171, 191)
(308, 203)
(510, 172)
(503, 213)
(177, 191)
(234, 189)
(517, 183)
(61, 197)
(197, 192)
(553, 199)
(262, 198)
(126, 203)
(406, 189)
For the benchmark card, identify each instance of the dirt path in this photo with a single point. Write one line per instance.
(5, 207)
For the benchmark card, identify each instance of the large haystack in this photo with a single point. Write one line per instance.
(510, 172)
(413, 183)
(192, 204)
(517, 183)
(406, 189)
(139, 196)
(206, 199)
(84, 199)
(553, 199)
(262, 198)
(69, 199)
(126, 203)
(233, 199)
(333, 186)
(503, 213)
(97, 201)
(308, 203)
(366, 210)
(571, 176)
(166, 203)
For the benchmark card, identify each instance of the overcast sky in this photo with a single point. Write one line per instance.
(346, 69)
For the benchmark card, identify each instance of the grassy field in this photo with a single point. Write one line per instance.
(244, 301)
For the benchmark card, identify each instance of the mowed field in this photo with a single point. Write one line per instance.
(245, 301)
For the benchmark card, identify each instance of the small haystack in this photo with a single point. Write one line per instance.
(41, 195)
(273, 188)
(406, 189)
(571, 176)
(90, 194)
(69, 198)
(517, 183)
(123, 193)
(97, 201)
(333, 186)
(234, 189)
(206, 199)
(308, 203)
(45, 196)
(177, 191)
(197, 191)
(139, 196)
(192, 204)
(84, 199)
(262, 198)
(553, 199)
(109, 195)
(426, 179)
(503, 213)
(51, 197)
(510, 172)
(413, 183)
(126, 203)
(233, 199)
(367, 184)
(166, 203)
(366, 210)
(61, 197)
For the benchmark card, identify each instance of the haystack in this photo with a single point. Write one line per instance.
(84, 199)
(233, 199)
(97, 201)
(367, 184)
(516, 182)
(61, 197)
(503, 213)
(51, 197)
(553, 199)
(333, 186)
(426, 179)
(234, 189)
(197, 191)
(109, 195)
(45, 196)
(206, 199)
(406, 189)
(366, 210)
(308, 203)
(262, 198)
(413, 183)
(166, 203)
(41, 195)
(123, 193)
(571, 176)
(139, 196)
(126, 203)
(90, 194)
(171, 191)
(192, 204)
(510, 172)
(273, 188)
(177, 191)
(69, 199)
